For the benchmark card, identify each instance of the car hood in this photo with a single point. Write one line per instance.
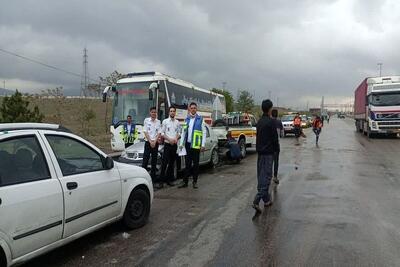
(139, 148)
(128, 171)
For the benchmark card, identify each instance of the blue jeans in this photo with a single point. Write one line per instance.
(264, 174)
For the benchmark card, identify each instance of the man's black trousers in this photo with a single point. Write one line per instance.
(192, 158)
(168, 159)
(149, 151)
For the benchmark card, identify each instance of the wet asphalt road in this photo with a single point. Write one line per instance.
(336, 205)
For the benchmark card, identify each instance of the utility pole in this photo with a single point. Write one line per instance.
(223, 86)
(85, 76)
(269, 94)
(4, 84)
(380, 69)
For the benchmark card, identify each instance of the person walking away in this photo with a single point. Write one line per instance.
(297, 125)
(317, 127)
(266, 145)
(279, 129)
(170, 130)
(195, 140)
(152, 131)
(129, 132)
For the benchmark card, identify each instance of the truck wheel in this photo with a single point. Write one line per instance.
(137, 209)
(242, 145)
(214, 158)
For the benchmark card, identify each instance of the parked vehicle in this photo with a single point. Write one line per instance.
(304, 121)
(287, 122)
(56, 187)
(136, 93)
(134, 153)
(377, 106)
(242, 127)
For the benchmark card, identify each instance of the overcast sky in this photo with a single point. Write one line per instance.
(298, 50)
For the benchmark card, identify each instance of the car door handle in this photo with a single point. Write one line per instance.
(72, 185)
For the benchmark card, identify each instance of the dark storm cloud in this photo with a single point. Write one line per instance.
(295, 49)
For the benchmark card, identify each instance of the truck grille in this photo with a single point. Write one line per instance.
(388, 124)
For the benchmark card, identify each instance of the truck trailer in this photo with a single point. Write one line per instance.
(377, 106)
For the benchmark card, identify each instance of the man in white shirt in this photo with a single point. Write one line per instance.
(195, 137)
(152, 131)
(170, 130)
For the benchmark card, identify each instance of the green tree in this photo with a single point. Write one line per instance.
(112, 78)
(245, 101)
(229, 101)
(16, 109)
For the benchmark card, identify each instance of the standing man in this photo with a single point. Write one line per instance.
(266, 145)
(297, 125)
(152, 131)
(279, 129)
(170, 130)
(195, 140)
(129, 132)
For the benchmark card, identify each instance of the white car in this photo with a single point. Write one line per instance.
(56, 187)
(134, 153)
(287, 122)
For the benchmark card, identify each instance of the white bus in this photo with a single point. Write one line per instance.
(135, 94)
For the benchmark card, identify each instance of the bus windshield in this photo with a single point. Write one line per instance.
(385, 99)
(132, 99)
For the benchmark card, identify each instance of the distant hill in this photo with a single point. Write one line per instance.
(4, 92)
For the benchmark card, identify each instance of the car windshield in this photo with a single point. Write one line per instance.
(131, 99)
(287, 118)
(387, 99)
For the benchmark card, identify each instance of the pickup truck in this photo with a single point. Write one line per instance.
(242, 127)
(56, 187)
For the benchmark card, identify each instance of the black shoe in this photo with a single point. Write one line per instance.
(170, 184)
(276, 180)
(195, 186)
(257, 208)
(183, 185)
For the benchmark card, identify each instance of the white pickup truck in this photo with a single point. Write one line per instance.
(241, 126)
(56, 187)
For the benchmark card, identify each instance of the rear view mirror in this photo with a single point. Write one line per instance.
(153, 86)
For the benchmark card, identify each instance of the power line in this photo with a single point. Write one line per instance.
(44, 64)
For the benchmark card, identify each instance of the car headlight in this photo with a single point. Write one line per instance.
(123, 154)
(373, 124)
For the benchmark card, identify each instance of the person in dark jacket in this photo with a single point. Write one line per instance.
(279, 129)
(266, 145)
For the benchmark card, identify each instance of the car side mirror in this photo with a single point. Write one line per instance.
(108, 163)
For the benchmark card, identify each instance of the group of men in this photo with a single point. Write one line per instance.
(191, 137)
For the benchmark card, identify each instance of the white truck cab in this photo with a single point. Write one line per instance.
(56, 187)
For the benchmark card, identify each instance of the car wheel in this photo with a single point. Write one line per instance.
(242, 145)
(214, 158)
(137, 209)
